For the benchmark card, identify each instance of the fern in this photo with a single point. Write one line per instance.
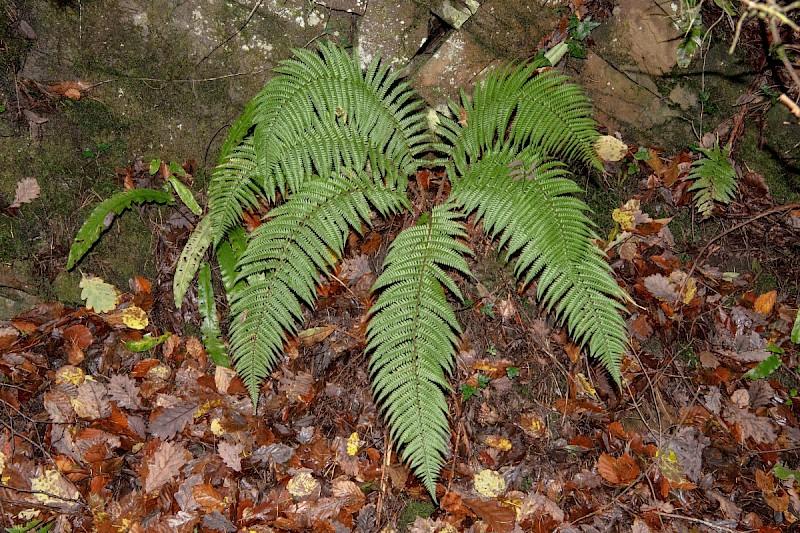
(98, 222)
(412, 335)
(527, 205)
(283, 262)
(323, 143)
(714, 180)
(501, 171)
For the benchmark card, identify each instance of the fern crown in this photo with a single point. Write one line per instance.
(328, 145)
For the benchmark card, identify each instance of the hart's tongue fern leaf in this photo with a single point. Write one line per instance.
(326, 143)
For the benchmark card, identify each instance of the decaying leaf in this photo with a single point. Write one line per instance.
(134, 317)
(619, 471)
(489, 483)
(231, 455)
(98, 295)
(51, 487)
(303, 485)
(609, 148)
(497, 442)
(164, 465)
(27, 190)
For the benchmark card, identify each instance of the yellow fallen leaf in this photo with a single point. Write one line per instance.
(609, 148)
(99, 295)
(587, 387)
(134, 317)
(489, 483)
(216, 427)
(352, 444)
(497, 442)
(689, 291)
(302, 485)
(70, 374)
(765, 303)
(52, 488)
(624, 218)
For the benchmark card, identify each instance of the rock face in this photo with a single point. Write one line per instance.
(395, 30)
(499, 31)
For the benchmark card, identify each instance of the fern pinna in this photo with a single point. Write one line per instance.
(327, 143)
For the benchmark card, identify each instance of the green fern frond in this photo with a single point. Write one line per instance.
(283, 262)
(412, 337)
(714, 180)
(526, 203)
(234, 187)
(322, 114)
(517, 107)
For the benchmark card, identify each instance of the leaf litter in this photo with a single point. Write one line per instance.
(115, 419)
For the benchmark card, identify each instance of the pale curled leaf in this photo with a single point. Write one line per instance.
(91, 401)
(661, 287)
(27, 190)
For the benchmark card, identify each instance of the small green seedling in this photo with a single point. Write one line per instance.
(468, 391)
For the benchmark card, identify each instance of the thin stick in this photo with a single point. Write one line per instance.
(740, 225)
(696, 521)
(234, 34)
(384, 468)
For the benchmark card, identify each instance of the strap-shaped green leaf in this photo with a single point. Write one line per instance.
(212, 337)
(190, 258)
(98, 222)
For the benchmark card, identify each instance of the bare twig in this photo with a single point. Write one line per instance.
(234, 34)
(768, 212)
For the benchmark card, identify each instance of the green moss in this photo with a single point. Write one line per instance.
(412, 510)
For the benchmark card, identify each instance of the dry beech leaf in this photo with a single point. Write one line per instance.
(231, 455)
(91, 401)
(496, 516)
(759, 428)
(27, 190)
(776, 497)
(661, 287)
(764, 303)
(172, 420)
(619, 471)
(124, 392)
(165, 465)
(208, 497)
